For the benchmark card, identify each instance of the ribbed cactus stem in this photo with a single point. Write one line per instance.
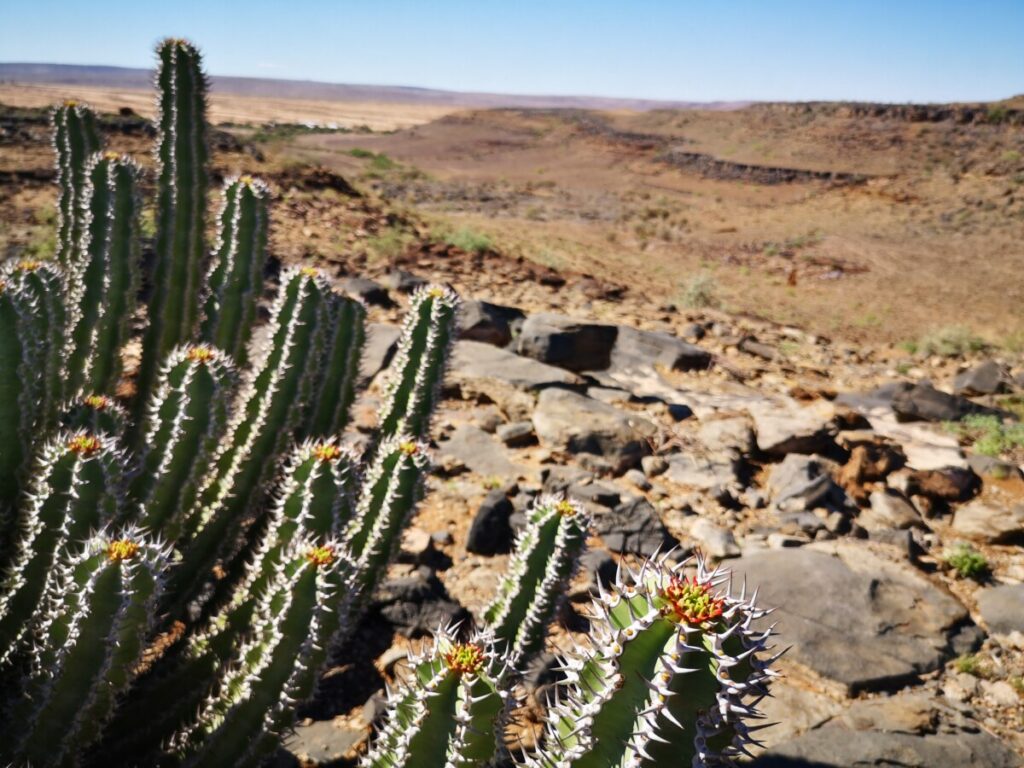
(94, 413)
(390, 493)
(75, 138)
(41, 287)
(182, 154)
(74, 490)
(344, 349)
(104, 285)
(450, 712)
(546, 554)
(297, 618)
(19, 356)
(672, 676)
(234, 281)
(270, 409)
(185, 419)
(103, 599)
(413, 385)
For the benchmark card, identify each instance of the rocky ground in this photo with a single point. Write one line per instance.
(846, 482)
(825, 478)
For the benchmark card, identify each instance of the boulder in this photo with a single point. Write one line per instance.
(945, 484)
(991, 523)
(1002, 608)
(488, 323)
(988, 378)
(491, 533)
(567, 421)
(634, 349)
(923, 402)
(853, 616)
(504, 378)
(633, 527)
(415, 602)
(567, 343)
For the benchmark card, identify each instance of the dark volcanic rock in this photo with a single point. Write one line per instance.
(634, 527)
(571, 344)
(491, 533)
(367, 290)
(416, 603)
(922, 402)
(644, 349)
(489, 323)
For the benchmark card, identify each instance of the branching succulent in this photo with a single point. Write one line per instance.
(186, 540)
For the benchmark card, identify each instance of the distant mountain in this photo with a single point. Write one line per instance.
(124, 77)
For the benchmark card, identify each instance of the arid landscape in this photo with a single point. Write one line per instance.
(787, 335)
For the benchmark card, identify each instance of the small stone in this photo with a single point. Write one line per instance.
(922, 402)
(517, 434)
(595, 493)
(367, 290)
(1000, 693)
(638, 478)
(714, 540)
(633, 527)
(653, 465)
(888, 510)
(988, 378)
(442, 538)
(727, 435)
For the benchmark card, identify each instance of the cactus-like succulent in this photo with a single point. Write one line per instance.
(672, 676)
(75, 490)
(75, 139)
(337, 387)
(413, 386)
(451, 712)
(100, 606)
(390, 492)
(299, 613)
(94, 413)
(102, 286)
(546, 554)
(234, 281)
(182, 154)
(40, 287)
(187, 416)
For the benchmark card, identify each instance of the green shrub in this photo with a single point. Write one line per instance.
(469, 240)
(700, 293)
(951, 341)
(967, 562)
(989, 435)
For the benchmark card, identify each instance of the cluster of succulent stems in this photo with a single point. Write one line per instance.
(177, 565)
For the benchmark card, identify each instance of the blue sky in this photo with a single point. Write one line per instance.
(894, 50)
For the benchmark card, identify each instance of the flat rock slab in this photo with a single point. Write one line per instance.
(1002, 608)
(788, 428)
(380, 346)
(509, 380)
(633, 527)
(989, 522)
(852, 616)
(324, 741)
(479, 451)
(703, 472)
(909, 730)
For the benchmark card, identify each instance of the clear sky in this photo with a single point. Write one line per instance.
(885, 50)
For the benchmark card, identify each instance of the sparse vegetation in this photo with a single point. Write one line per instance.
(390, 242)
(989, 435)
(271, 132)
(970, 664)
(701, 292)
(968, 562)
(951, 341)
(469, 240)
